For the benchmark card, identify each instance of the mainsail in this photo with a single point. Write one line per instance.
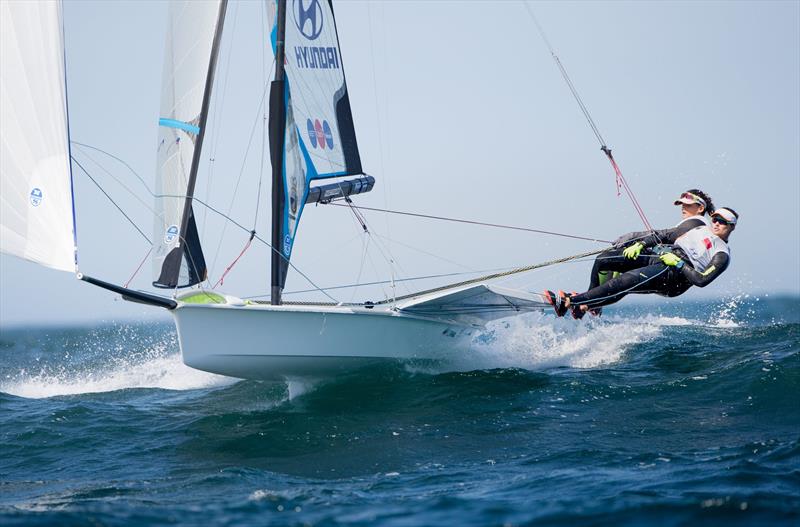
(193, 35)
(312, 133)
(37, 220)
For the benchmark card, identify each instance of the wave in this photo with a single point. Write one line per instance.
(141, 356)
(166, 373)
(538, 341)
(112, 359)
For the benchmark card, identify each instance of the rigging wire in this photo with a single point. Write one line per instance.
(219, 106)
(620, 179)
(364, 248)
(116, 179)
(471, 222)
(194, 199)
(379, 282)
(432, 255)
(120, 160)
(112, 200)
(264, 138)
(497, 275)
(241, 171)
(265, 242)
(138, 268)
(375, 91)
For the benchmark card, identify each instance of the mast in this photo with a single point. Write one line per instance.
(198, 148)
(277, 133)
(311, 132)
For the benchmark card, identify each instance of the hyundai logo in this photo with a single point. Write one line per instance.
(308, 18)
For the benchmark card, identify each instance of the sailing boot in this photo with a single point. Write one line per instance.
(558, 301)
(596, 311)
(575, 309)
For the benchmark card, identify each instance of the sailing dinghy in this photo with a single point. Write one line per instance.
(312, 137)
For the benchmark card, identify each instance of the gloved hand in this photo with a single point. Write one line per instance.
(671, 260)
(633, 251)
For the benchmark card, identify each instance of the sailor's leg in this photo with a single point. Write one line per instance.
(612, 261)
(648, 279)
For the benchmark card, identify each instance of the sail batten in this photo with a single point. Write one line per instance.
(37, 220)
(193, 38)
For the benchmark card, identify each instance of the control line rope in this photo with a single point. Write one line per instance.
(495, 275)
(620, 179)
(236, 260)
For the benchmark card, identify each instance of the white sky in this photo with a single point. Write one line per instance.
(459, 111)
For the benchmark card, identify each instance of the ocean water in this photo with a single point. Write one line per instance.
(670, 414)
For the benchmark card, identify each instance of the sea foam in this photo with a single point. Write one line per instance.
(539, 341)
(164, 372)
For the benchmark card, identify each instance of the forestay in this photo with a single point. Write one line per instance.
(193, 33)
(37, 220)
(319, 140)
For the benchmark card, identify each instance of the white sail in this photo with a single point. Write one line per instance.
(320, 101)
(36, 203)
(188, 62)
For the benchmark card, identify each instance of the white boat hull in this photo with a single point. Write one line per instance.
(279, 342)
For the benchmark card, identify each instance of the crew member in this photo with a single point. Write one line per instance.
(672, 264)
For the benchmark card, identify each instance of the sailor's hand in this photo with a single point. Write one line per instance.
(671, 260)
(633, 251)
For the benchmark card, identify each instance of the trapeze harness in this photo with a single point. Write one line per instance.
(705, 256)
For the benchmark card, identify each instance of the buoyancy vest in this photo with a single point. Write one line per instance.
(700, 245)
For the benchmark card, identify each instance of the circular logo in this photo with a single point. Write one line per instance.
(312, 134)
(308, 17)
(320, 134)
(287, 245)
(36, 196)
(171, 233)
(326, 129)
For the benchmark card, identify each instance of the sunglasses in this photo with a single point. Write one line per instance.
(721, 221)
(696, 199)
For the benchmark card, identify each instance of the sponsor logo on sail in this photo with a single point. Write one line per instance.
(287, 245)
(317, 57)
(308, 17)
(320, 134)
(312, 134)
(36, 196)
(309, 21)
(171, 234)
(326, 130)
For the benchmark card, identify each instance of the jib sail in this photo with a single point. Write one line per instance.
(37, 219)
(193, 35)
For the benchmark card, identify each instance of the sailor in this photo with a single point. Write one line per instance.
(626, 253)
(675, 259)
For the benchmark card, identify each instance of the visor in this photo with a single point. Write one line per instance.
(687, 198)
(724, 214)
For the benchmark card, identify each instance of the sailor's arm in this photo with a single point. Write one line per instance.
(717, 266)
(668, 236)
(663, 236)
